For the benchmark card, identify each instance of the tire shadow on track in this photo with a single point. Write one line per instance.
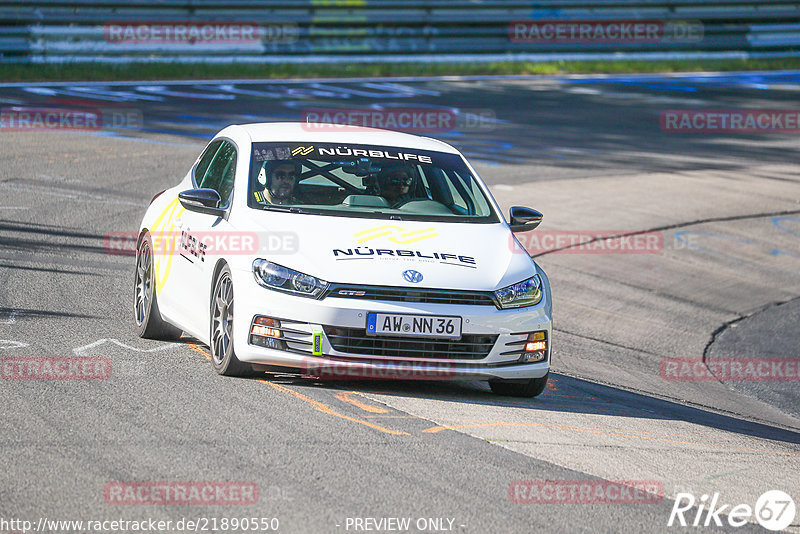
(564, 394)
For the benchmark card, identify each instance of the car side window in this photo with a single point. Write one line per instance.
(205, 161)
(220, 172)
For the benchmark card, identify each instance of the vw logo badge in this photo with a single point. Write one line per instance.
(412, 276)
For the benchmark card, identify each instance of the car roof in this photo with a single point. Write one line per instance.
(301, 132)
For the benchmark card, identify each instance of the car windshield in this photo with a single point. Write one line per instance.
(366, 181)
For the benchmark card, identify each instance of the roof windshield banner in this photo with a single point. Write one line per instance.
(349, 152)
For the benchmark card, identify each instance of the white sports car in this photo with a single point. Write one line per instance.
(349, 253)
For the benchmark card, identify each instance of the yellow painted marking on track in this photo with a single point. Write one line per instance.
(325, 409)
(318, 405)
(195, 347)
(345, 397)
(605, 433)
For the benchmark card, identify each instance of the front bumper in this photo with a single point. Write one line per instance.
(303, 318)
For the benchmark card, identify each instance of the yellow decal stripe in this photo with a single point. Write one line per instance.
(400, 235)
(163, 234)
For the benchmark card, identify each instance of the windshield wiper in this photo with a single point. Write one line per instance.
(285, 209)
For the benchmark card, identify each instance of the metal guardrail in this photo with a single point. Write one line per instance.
(392, 30)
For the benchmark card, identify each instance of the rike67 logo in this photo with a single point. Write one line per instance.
(774, 510)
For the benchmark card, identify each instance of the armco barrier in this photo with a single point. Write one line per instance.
(392, 30)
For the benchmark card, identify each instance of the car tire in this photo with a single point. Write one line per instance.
(519, 388)
(223, 356)
(149, 323)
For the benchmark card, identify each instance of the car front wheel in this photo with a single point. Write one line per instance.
(223, 356)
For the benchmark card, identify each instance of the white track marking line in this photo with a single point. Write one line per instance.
(12, 317)
(9, 344)
(79, 351)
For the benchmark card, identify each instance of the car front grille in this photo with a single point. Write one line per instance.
(356, 341)
(433, 296)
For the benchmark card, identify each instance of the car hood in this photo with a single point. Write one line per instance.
(378, 252)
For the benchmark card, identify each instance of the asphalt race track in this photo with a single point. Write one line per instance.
(592, 153)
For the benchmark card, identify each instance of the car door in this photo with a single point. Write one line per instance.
(166, 234)
(204, 238)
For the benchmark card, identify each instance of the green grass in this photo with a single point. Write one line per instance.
(12, 72)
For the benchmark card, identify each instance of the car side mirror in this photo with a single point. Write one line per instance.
(202, 201)
(524, 219)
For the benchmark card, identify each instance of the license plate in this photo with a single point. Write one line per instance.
(393, 324)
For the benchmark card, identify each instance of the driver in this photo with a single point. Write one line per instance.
(394, 184)
(280, 181)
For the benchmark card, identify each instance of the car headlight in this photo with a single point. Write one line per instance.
(526, 293)
(274, 276)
